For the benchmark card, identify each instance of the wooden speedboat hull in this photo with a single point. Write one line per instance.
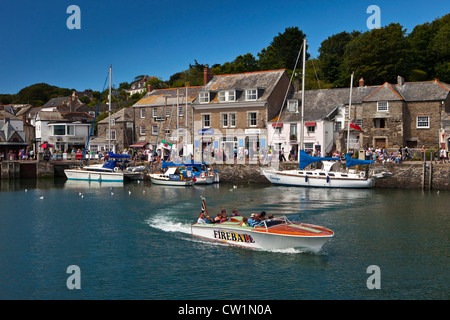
(293, 236)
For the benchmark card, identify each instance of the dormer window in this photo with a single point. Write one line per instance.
(227, 96)
(203, 97)
(251, 94)
(292, 105)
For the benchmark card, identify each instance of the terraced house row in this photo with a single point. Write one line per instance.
(249, 112)
(246, 111)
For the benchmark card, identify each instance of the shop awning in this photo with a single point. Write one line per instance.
(310, 124)
(139, 144)
(277, 125)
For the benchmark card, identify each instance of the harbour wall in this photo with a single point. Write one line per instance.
(407, 175)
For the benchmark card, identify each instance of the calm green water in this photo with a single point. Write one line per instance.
(138, 246)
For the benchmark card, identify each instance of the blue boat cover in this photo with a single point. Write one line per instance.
(109, 165)
(355, 162)
(306, 160)
(184, 164)
(118, 156)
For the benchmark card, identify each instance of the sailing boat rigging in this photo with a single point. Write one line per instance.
(329, 176)
(113, 170)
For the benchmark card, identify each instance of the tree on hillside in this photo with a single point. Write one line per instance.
(430, 51)
(331, 56)
(379, 55)
(245, 63)
(283, 51)
(193, 75)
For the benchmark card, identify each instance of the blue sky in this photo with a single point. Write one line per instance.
(160, 38)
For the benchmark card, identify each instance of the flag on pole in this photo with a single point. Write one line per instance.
(355, 126)
(166, 144)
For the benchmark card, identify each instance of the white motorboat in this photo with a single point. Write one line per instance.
(199, 171)
(171, 177)
(113, 170)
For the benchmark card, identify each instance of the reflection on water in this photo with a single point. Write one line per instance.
(132, 241)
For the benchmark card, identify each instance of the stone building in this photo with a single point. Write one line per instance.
(404, 114)
(121, 135)
(231, 112)
(165, 114)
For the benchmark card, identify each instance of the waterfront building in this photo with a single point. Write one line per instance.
(165, 114)
(231, 113)
(389, 115)
(119, 137)
(64, 130)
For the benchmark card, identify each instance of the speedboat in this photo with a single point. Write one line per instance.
(329, 176)
(171, 177)
(113, 170)
(272, 234)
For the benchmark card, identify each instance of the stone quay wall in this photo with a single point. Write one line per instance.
(407, 175)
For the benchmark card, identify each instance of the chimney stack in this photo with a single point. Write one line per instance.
(150, 88)
(361, 82)
(296, 84)
(400, 80)
(207, 75)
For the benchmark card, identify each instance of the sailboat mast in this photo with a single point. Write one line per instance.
(349, 112)
(109, 113)
(186, 126)
(302, 125)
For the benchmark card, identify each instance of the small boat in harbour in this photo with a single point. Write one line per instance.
(329, 176)
(172, 177)
(200, 170)
(113, 170)
(271, 234)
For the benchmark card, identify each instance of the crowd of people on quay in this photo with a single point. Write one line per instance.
(255, 218)
(380, 155)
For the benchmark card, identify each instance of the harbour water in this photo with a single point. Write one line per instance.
(133, 241)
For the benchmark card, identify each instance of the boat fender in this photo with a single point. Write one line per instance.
(328, 179)
(362, 174)
(306, 178)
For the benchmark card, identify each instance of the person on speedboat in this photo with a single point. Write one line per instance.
(203, 218)
(235, 213)
(224, 216)
(254, 220)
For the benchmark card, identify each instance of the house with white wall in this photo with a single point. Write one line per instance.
(64, 130)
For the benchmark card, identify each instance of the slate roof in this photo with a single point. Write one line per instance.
(158, 97)
(125, 114)
(57, 102)
(7, 132)
(264, 81)
(320, 103)
(55, 116)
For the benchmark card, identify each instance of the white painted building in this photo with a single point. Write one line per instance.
(64, 130)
